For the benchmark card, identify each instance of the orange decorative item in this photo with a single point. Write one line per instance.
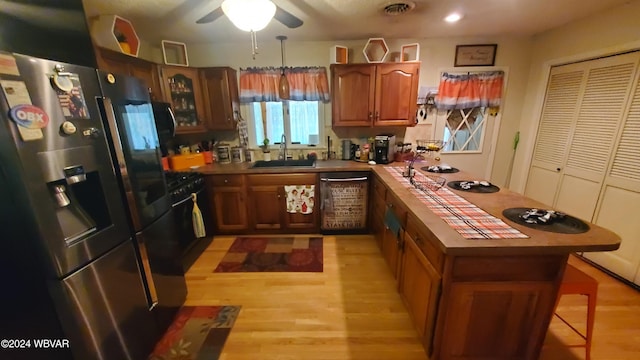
(179, 162)
(208, 157)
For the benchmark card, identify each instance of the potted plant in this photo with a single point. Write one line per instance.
(266, 154)
(122, 41)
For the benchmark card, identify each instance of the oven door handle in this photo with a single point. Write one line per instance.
(185, 200)
(364, 178)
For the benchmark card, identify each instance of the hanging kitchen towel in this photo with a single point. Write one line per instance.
(196, 218)
(300, 198)
(392, 222)
(326, 204)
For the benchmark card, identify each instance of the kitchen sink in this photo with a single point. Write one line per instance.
(283, 163)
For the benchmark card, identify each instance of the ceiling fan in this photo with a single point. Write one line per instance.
(283, 16)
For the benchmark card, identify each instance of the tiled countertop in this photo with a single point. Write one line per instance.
(451, 242)
(320, 166)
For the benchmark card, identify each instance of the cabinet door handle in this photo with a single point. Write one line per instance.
(419, 241)
(377, 116)
(370, 115)
(226, 181)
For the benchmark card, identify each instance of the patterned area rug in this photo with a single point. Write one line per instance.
(198, 332)
(278, 254)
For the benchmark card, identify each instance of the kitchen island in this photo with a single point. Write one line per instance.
(468, 298)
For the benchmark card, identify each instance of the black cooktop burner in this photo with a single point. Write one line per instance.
(565, 225)
(472, 186)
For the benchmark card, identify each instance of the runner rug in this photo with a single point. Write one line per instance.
(273, 254)
(464, 217)
(198, 332)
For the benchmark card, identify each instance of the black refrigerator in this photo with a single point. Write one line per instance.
(87, 251)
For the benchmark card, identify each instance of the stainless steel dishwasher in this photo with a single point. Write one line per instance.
(344, 197)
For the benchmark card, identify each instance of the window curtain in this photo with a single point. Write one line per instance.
(305, 83)
(467, 91)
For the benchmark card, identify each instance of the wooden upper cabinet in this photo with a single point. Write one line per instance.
(220, 88)
(182, 90)
(374, 94)
(123, 64)
(396, 94)
(353, 94)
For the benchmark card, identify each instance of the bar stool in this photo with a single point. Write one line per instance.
(577, 282)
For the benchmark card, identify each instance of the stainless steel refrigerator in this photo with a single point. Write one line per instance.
(86, 244)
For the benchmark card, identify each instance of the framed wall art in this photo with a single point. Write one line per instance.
(476, 55)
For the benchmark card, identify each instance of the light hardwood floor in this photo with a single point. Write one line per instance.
(353, 311)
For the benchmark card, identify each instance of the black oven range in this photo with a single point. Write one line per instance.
(181, 184)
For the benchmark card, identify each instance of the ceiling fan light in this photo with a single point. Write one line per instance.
(249, 15)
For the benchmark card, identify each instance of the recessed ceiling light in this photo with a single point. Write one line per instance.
(453, 17)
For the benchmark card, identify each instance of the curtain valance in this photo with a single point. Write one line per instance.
(464, 91)
(305, 83)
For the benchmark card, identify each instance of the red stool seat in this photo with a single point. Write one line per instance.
(577, 282)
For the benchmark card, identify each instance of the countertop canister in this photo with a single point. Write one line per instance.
(224, 154)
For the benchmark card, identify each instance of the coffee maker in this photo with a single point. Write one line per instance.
(385, 147)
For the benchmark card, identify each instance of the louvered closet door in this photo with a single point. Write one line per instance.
(619, 205)
(583, 110)
(558, 116)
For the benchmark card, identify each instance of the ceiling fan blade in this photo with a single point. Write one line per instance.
(288, 19)
(210, 16)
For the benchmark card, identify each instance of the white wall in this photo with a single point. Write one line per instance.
(606, 33)
(435, 54)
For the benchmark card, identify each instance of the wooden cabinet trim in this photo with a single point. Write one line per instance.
(426, 242)
(225, 180)
(282, 179)
(507, 268)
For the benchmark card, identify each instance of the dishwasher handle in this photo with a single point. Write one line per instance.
(363, 178)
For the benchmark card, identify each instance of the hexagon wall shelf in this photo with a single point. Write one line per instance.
(115, 33)
(375, 50)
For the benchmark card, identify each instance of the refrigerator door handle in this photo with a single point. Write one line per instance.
(364, 178)
(173, 120)
(146, 269)
(109, 113)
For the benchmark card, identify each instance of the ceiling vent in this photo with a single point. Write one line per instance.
(399, 8)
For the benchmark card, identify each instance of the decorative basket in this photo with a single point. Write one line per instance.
(429, 145)
(427, 182)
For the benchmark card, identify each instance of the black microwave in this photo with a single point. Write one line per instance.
(165, 121)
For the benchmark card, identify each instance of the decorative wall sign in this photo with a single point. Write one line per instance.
(476, 55)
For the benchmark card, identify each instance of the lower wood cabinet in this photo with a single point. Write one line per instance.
(267, 205)
(377, 207)
(228, 196)
(420, 285)
(391, 249)
(392, 242)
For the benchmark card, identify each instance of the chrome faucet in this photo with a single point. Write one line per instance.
(283, 144)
